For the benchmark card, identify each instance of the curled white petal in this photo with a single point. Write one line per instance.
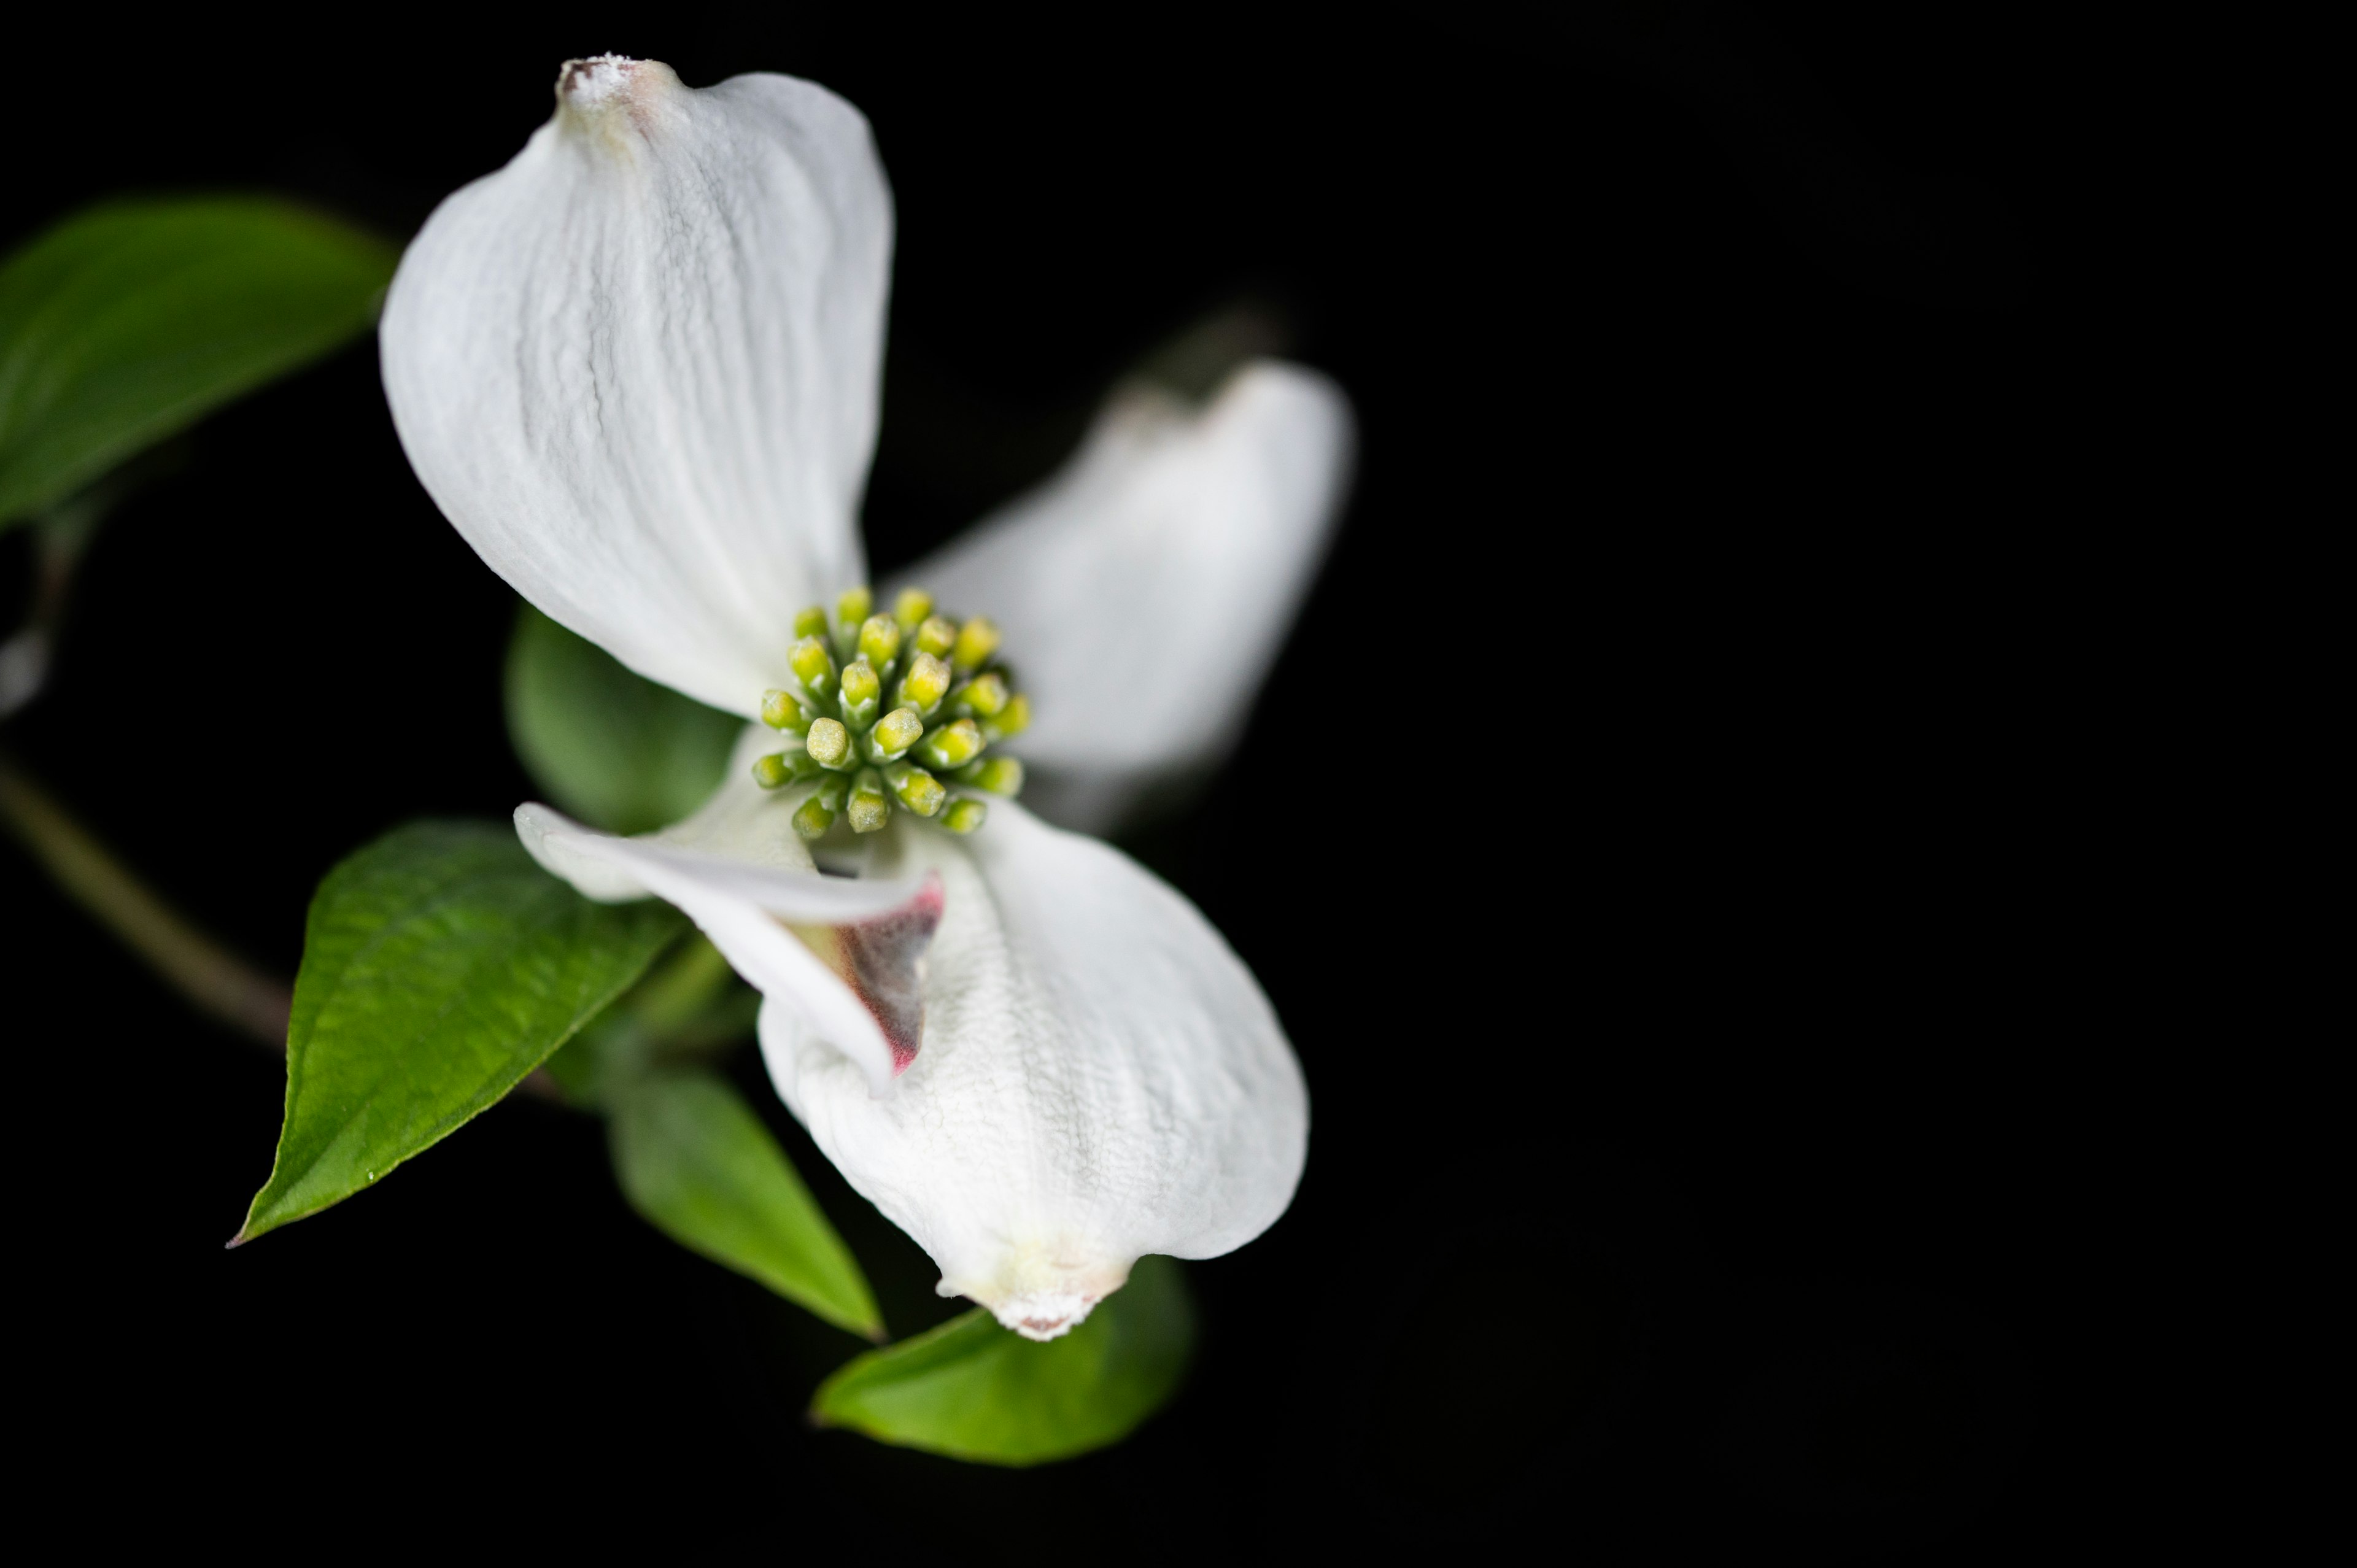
(737, 870)
(1145, 590)
(636, 366)
(1101, 1078)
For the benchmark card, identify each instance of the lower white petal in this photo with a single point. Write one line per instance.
(1102, 1078)
(1145, 590)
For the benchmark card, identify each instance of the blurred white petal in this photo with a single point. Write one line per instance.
(1145, 590)
(1101, 1078)
(636, 366)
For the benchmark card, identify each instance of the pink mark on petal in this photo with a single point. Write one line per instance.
(883, 960)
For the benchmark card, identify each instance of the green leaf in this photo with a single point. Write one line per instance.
(440, 966)
(132, 320)
(611, 747)
(697, 1162)
(973, 1390)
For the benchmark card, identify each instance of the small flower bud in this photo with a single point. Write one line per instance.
(999, 775)
(894, 733)
(951, 745)
(869, 807)
(977, 641)
(815, 815)
(863, 694)
(916, 788)
(1010, 721)
(852, 607)
(829, 743)
(879, 640)
(912, 606)
(810, 622)
(783, 710)
(936, 636)
(813, 667)
(925, 684)
(780, 768)
(984, 695)
(964, 814)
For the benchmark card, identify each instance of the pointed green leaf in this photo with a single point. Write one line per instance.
(440, 966)
(973, 1390)
(695, 1161)
(611, 747)
(131, 320)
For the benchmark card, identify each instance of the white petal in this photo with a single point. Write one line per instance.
(636, 366)
(739, 872)
(1146, 589)
(1101, 1078)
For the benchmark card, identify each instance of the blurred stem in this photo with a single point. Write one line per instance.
(59, 537)
(25, 658)
(216, 980)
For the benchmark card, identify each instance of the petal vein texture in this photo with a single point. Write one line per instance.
(637, 368)
(1102, 1078)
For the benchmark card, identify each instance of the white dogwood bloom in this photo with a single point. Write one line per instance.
(636, 369)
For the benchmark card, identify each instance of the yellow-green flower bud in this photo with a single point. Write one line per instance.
(951, 745)
(925, 684)
(936, 636)
(916, 788)
(999, 775)
(780, 768)
(977, 639)
(783, 710)
(1010, 721)
(984, 695)
(894, 733)
(829, 744)
(815, 815)
(865, 757)
(879, 640)
(863, 694)
(964, 814)
(813, 666)
(869, 807)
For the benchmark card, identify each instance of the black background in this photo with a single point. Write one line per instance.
(1680, 1003)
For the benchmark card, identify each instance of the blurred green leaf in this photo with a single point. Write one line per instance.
(440, 966)
(609, 747)
(973, 1390)
(132, 320)
(695, 1162)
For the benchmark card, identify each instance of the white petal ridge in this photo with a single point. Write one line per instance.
(636, 366)
(1102, 1078)
(1145, 590)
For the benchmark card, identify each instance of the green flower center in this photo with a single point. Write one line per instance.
(894, 710)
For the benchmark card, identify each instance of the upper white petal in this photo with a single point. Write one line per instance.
(636, 366)
(1102, 1077)
(1145, 589)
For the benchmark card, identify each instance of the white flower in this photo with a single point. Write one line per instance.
(636, 369)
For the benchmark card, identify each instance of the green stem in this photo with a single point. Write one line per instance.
(216, 980)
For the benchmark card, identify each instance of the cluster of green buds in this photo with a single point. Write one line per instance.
(894, 710)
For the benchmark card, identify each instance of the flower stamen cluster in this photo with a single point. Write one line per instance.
(893, 710)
